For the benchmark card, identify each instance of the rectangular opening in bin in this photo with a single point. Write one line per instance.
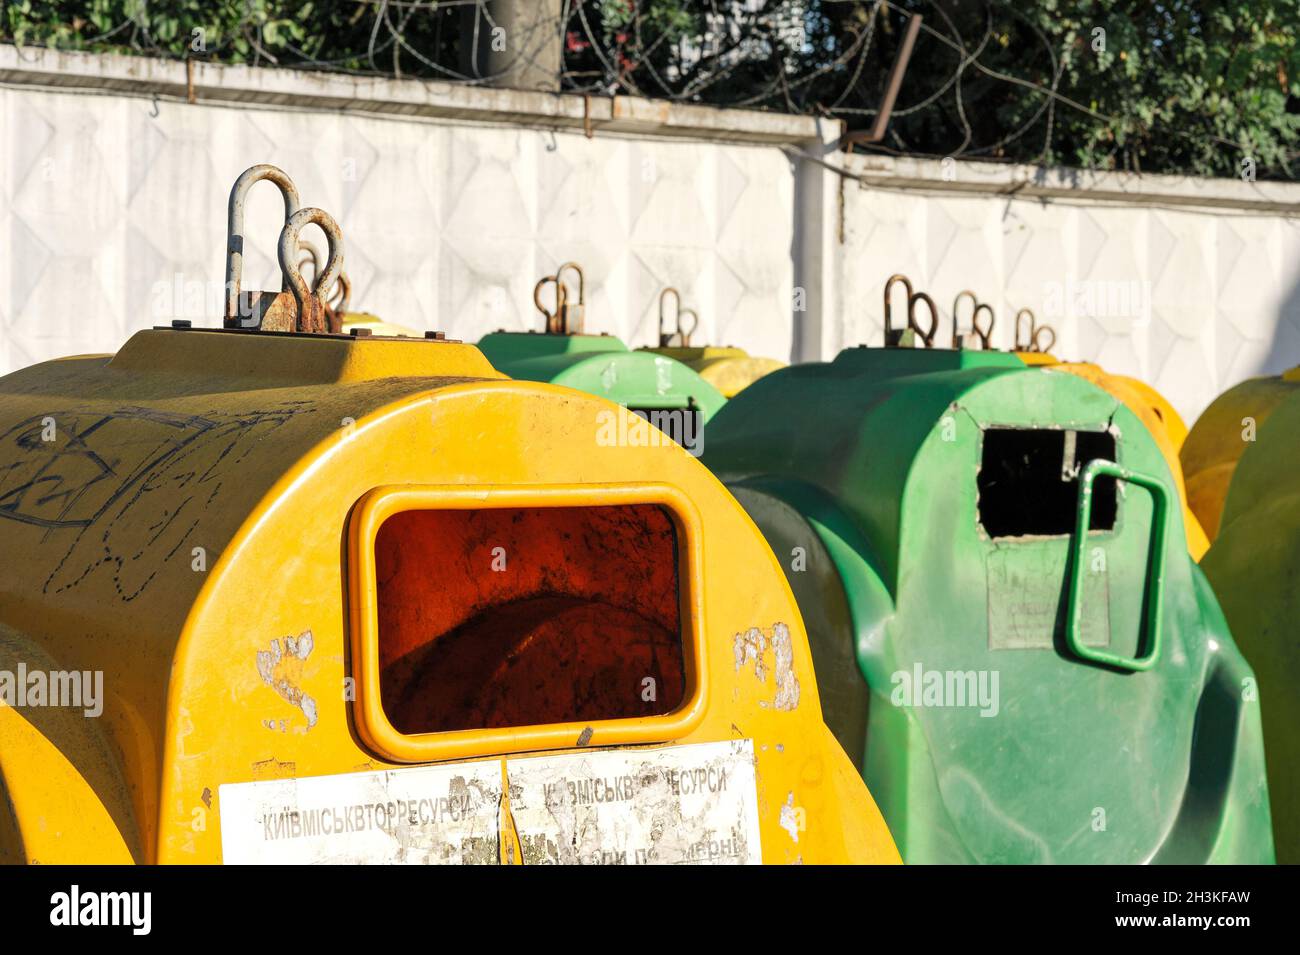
(1028, 481)
(505, 617)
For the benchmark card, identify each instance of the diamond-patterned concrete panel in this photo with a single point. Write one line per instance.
(1038, 266)
(113, 206)
(1192, 299)
(113, 209)
(1182, 270)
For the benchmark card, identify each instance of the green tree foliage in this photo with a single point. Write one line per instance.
(1177, 86)
(1194, 86)
(348, 35)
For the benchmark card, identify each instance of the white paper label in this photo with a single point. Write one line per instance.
(422, 816)
(693, 804)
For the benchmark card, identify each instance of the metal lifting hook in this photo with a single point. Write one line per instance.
(1032, 341)
(568, 317)
(908, 336)
(983, 333)
(235, 229)
(311, 310)
(682, 337)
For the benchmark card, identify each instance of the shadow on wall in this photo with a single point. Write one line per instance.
(1284, 348)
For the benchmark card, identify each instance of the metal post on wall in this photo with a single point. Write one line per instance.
(515, 44)
(877, 131)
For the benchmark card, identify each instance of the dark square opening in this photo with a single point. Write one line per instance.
(501, 617)
(1028, 481)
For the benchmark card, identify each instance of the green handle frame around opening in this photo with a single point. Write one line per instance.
(1155, 581)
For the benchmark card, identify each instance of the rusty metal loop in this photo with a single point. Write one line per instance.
(666, 337)
(552, 318)
(927, 337)
(582, 280)
(562, 312)
(956, 307)
(686, 333)
(889, 285)
(985, 334)
(235, 225)
(683, 335)
(1038, 332)
(1025, 342)
(1031, 341)
(557, 322)
(340, 299)
(290, 249)
(894, 338)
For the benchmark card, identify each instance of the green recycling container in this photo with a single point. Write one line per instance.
(1008, 633)
(651, 385)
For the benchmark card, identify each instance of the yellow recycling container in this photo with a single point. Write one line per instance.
(1037, 358)
(730, 370)
(726, 368)
(374, 325)
(1222, 434)
(281, 598)
(1252, 567)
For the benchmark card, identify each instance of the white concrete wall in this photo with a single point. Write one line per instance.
(1192, 285)
(113, 213)
(114, 174)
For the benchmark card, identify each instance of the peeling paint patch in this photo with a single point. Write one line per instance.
(274, 769)
(790, 818)
(787, 684)
(692, 804)
(584, 738)
(748, 648)
(752, 648)
(282, 671)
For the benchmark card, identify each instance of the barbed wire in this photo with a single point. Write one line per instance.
(731, 53)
